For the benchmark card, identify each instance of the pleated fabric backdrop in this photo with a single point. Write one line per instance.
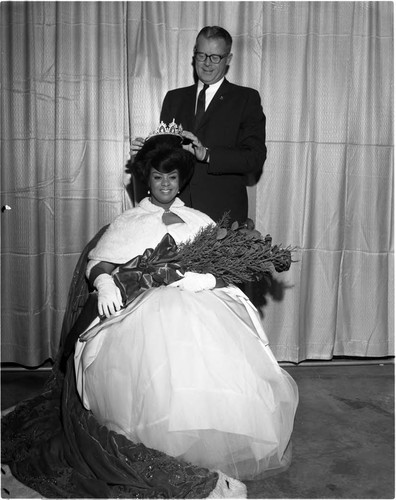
(81, 79)
(64, 143)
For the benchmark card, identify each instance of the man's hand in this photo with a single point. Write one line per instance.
(136, 145)
(195, 146)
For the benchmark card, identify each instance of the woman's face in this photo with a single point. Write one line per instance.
(163, 187)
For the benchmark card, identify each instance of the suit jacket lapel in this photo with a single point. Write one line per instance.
(189, 111)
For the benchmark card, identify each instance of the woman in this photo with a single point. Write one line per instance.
(56, 447)
(184, 368)
(144, 371)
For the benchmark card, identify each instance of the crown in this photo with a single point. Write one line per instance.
(163, 129)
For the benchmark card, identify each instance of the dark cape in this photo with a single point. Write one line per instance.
(55, 446)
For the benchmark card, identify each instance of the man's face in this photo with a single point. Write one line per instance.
(207, 71)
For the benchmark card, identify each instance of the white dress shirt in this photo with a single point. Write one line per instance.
(210, 92)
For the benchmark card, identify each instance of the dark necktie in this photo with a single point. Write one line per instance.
(200, 105)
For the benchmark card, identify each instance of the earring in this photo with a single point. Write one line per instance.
(148, 191)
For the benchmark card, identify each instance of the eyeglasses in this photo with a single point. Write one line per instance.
(214, 58)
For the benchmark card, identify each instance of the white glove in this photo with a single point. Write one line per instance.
(109, 295)
(195, 282)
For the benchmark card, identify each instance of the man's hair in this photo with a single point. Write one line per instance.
(216, 32)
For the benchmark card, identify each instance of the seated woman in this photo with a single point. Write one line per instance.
(56, 447)
(185, 368)
(164, 398)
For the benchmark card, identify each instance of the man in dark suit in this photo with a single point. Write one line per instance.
(224, 127)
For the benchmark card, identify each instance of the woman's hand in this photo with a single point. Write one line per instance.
(109, 295)
(195, 282)
(195, 146)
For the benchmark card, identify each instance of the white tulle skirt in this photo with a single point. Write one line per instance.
(192, 375)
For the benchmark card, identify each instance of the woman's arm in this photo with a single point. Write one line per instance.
(197, 282)
(109, 295)
(100, 268)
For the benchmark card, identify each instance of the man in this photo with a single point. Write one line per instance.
(228, 139)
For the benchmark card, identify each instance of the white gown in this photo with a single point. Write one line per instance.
(192, 375)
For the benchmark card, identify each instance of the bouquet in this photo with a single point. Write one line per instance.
(235, 253)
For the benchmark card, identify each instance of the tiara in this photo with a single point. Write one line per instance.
(163, 129)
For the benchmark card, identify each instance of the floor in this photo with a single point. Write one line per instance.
(343, 440)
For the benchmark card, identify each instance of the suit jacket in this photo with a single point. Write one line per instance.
(233, 127)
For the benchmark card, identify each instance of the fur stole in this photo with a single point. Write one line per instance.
(142, 227)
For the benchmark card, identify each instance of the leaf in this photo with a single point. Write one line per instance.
(268, 240)
(234, 225)
(251, 234)
(221, 233)
(249, 224)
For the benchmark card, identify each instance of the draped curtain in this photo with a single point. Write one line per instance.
(80, 80)
(65, 135)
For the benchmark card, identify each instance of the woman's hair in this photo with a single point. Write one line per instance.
(165, 154)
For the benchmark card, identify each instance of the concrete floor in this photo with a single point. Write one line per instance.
(343, 440)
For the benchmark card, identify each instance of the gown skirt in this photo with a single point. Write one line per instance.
(192, 375)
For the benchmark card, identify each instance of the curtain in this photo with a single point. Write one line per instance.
(328, 182)
(65, 136)
(80, 80)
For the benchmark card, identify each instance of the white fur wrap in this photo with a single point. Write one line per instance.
(142, 227)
